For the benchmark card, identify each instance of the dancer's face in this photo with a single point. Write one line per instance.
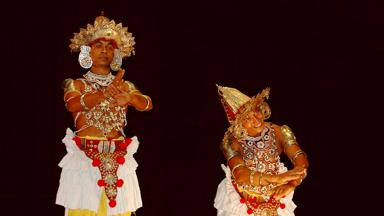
(253, 122)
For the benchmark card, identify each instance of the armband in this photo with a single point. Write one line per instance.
(288, 136)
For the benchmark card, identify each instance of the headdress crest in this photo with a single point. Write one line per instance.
(236, 103)
(108, 29)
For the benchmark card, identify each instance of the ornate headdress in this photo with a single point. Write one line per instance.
(236, 103)
(107, 29)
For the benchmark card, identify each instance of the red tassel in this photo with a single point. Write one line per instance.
(96, 162)
(120, 160)
(101, 183)
(282, 206)
(119, 183)
(249, 211)
(112, 203)
(125, 143)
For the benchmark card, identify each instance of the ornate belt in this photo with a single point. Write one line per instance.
(257, 205)
(107, 155)
(102, 145)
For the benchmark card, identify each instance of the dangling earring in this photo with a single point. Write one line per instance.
(85, 59)
(266, 110)
(117, 60)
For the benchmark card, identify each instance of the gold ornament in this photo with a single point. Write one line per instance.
(107, 29)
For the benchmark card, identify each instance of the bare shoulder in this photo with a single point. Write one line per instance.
(276, 127)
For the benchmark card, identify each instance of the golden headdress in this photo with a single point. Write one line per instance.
(108, 29)
(236, 103)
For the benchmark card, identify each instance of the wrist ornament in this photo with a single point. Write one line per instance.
(235, 167)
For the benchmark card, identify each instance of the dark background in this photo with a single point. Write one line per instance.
(322, 60)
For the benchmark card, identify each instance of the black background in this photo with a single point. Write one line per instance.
(322, 60)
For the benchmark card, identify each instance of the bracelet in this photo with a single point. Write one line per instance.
(148, 102)
(235, 167)
(297, 153)
(251, 176)
(82, 103)
(260, 177)
(231, 154)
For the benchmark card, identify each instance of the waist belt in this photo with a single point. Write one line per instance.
(107, 155)
(257, 205)
(108, 146)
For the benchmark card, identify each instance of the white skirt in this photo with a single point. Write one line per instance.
(78, 187)
(227, 200)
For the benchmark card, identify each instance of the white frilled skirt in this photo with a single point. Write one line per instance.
(78, 187)
(227, 200)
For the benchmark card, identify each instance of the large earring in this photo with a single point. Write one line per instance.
(117, 60)
(266, 110)
(85, 59)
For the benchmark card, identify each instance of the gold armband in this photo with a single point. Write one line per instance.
(69, 87)
(225, 146)
(297, 153)
(288, 136)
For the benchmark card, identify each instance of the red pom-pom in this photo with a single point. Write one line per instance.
(128, 141)
(242, 200)
(249, 211)
(76, 139)
(282, 205)
(101, 183)
(125, 143)
(119, 183)
(96, 162)
(112, 203)
(120, 160)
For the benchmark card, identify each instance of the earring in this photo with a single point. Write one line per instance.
(85, 59)
(266, 110)
(117, 60)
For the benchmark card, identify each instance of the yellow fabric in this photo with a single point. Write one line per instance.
(102, 210)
